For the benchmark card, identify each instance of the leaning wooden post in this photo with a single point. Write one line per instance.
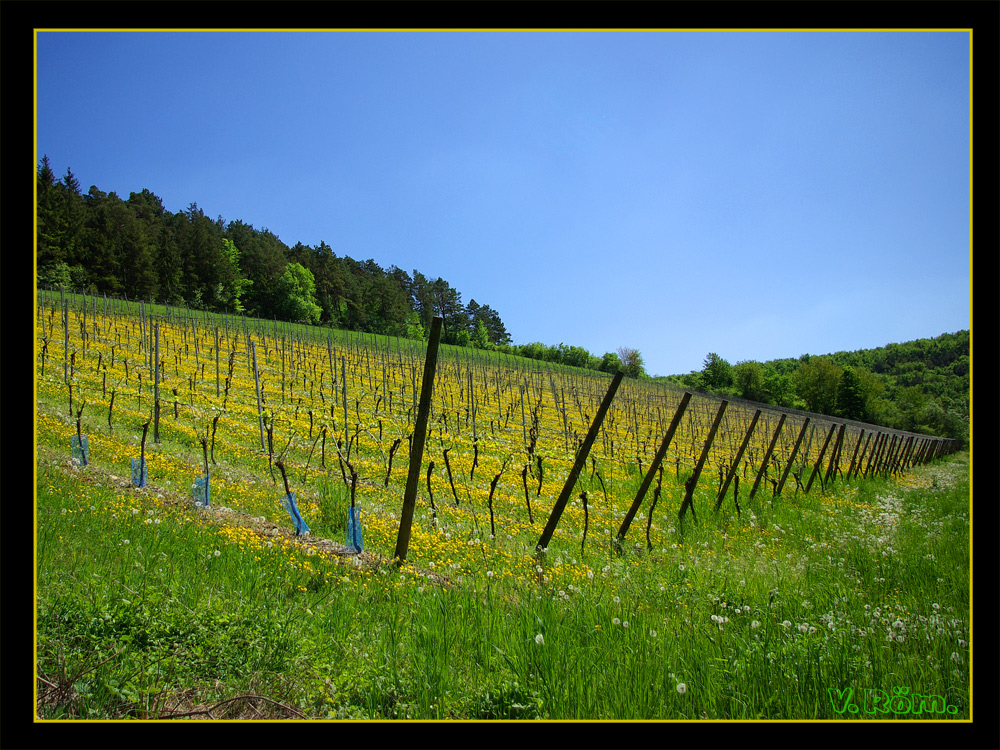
(854, 456)
(693, 479)
(922, 451)
(893, 456)
(876, 447)
(767, 457)
(648, 480)
(581, 460)
(256, 381)
(911, 459)
(835, 455)
(883, 459)
(417, 444)
(819, 461)
(904, 454)
(736, 461)
(791, 458)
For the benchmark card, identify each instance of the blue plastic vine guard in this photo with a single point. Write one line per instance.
(139, 475)
(354, 530)
(201, 491)
(81, 452)
(288, 501)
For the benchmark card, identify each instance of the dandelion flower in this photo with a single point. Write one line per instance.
(539, 639)
(682, 688)
(616, 621)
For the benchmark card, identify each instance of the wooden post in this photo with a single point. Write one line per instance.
(880, 456)
(819, 460)
(693, 480)
(648, 480)
(417, 444)
(581, 460)
(156, 384)
(922, 451)
(888, 466)
(835, 455)
(217, 361)
(256, 380)
(767, 457)
(854, 456)
(343, 385)
(736, 461)
(876, 447)
(912, 453)
(791, 458)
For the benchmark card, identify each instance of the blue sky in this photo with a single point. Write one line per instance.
(753, 194)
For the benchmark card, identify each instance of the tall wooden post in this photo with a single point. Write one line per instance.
(767, 457)
(156, 384)
(876, 447)
(693, 479)
(648, 479)
(736, 461)
(791, 458)
(835, 455)
(256, 380)
(819, 461)
(417, 444)
(854, 457)
(578, 464)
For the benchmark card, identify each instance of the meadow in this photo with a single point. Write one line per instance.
(848, 602)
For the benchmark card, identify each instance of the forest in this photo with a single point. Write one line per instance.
(100, 243)
(919, 386)
(135, 248)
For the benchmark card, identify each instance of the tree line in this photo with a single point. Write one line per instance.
(919, 386)
(98, 242)
(101, 243)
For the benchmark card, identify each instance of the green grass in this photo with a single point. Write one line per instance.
(758, 617)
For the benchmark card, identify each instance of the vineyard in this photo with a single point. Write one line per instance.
(296, 439)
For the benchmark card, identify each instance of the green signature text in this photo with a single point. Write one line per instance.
(898, 701)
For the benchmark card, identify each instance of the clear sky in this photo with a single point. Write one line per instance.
(753, 194)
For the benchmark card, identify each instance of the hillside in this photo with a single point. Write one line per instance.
(919, 386)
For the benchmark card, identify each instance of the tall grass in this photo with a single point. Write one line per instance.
(146, 608)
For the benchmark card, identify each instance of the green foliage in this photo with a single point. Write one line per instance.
(414, 330)
(297, 287)
(56, 275)
(919, 386)
(749, 379)
(850, 395)
(233, 284)
(481, 338)
(716, 373)
(610, 362)
(631, 360)
(816, 383)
